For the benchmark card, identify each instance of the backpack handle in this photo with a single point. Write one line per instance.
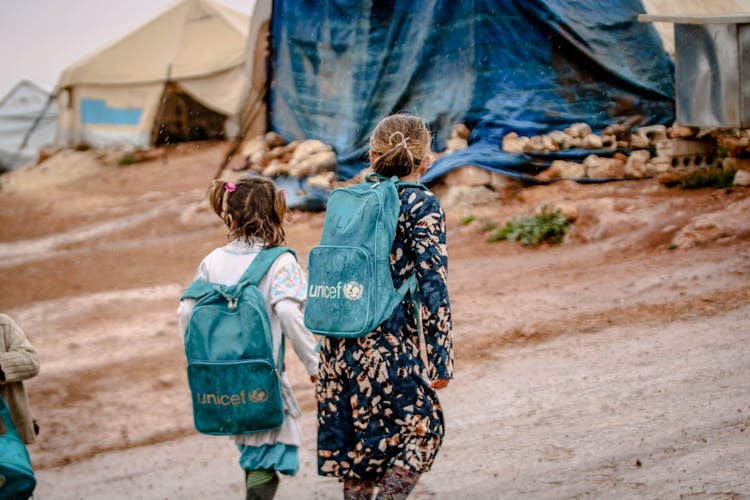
(376, 177)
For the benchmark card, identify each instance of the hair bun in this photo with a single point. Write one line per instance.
(398, 138)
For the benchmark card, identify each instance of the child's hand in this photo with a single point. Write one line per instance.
(439, 383)
(314, 379)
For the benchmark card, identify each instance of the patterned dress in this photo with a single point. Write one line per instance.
(375, 407)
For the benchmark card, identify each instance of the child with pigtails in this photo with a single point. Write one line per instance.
(253, 211)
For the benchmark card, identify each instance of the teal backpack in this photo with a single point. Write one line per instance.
(234, 381)
(16, 475)
(350, 290)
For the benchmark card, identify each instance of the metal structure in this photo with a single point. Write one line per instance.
(712, 69)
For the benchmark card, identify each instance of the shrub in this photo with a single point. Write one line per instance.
(713, 178)
(468, 219)
(548, 226)
(128, 159)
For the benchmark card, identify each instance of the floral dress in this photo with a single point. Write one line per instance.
(375, 407)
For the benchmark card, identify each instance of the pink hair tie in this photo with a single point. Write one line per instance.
(228, 186)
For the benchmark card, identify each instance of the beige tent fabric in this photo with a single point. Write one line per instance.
(198, 44)
(193, 38)
(220, 91)
(144, 96)
(690, 7)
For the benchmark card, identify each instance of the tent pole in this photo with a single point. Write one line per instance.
(247, 121)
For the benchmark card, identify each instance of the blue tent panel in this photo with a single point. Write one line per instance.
(529, 66)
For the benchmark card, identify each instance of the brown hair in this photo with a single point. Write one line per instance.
(401, 142)
(252, 209)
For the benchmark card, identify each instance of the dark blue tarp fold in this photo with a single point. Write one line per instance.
(528, 66)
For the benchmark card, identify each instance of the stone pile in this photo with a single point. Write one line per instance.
(621, 136)
(270, 155)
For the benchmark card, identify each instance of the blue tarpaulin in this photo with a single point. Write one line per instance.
(529, 66)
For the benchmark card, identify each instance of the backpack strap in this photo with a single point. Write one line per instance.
(262, 263)
(252, 275)
(198, 289)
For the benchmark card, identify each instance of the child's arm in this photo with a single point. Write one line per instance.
(432, 273)
(303, 342)
(288, 292)
(20, 361)
(185, 309)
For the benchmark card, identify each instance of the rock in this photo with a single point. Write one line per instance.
(549, 143)
(579, 130)
(609, 142)
(276, 167)
(273, 140)
(682, 131)
(566, 209)
(461, 131)
(456, 144)
(669, 177)
(468, 176)
(505, 186)
(558, 137)
(638, 141)
(459, 196)
(742, 178)
(604, 168)
(731, 163)
(592, 141)
(254, 150)
(307, 148)
(535, 143)
(622, 130)
(620, 156)
(572, 142)
(512, 143)
(635, 166)
(321, 161)
(560, 169)
(322, 180)
(735, 145)
(654, 133)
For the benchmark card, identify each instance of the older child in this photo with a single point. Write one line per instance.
(253, 211)
(19, 361)
(380, 421)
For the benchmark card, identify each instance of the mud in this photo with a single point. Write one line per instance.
(612, 365)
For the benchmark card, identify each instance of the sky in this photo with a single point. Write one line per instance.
(40, 38)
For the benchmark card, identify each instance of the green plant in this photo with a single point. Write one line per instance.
(128, 159)
(713, 178)
(547, 226)
(489, 226)
(468, 219)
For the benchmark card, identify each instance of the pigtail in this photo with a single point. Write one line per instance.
(216, 197)
(279, 205)
(253, 209)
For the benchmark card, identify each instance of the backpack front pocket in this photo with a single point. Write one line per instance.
(339, 292)
(235, 397)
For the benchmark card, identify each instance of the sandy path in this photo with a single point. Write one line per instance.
(630, 411)
(575, 363)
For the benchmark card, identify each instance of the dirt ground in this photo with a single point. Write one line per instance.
(612, 365)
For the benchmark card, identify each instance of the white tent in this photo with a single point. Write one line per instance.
(179, 77)
(28, 119)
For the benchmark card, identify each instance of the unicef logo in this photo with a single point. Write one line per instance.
(353, 290)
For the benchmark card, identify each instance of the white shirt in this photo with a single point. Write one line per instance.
(283, 288)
